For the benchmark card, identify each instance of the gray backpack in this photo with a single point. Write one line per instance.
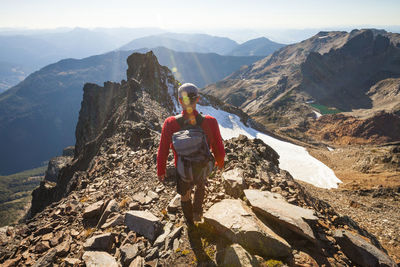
(195, 161)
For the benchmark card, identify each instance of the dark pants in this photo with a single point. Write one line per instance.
(183, 187)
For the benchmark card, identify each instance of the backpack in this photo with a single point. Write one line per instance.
(195, 161)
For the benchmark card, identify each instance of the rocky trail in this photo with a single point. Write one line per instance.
(107, 207)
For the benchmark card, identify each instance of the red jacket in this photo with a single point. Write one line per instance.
(210, 128)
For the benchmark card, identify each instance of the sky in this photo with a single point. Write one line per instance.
(204, 14)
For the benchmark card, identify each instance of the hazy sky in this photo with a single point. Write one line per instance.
(201, 14)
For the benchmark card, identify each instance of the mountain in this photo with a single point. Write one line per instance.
(256, 47)
(215, 44)
(151, 42)
(37, 117)
(201, 68)
(107, 206)
(336, 71)
(31, 50)
(11, 74)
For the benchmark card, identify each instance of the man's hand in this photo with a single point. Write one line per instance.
(161, 178)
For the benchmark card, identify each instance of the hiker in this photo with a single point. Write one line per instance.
(190, 175)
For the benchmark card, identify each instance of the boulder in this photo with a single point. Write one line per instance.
(234, 220)
(128, 252)
(274, 207)
(112, 206)
(93, 210)
(174, 203)
(233, 181)
(102, 242)
(99, 259)
(143, 223)
(361, 251)
(236, 255)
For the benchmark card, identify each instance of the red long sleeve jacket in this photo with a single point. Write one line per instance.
(210, 128)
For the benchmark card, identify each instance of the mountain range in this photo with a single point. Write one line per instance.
(37, 117)
(206, 44)
(31, 50)
(354, 72)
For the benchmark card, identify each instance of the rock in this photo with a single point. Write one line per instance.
(99, 259)
(68, 151)
(174, 204)
(274, 207)
(63, 248)
(175, 234)
(153, 195)
(112, 206)
(133, 206)
(234, 220)
(128, 253)
(54, 167)
(72, 262)
(47, 259)
(142, 198)
(161, 238)
(102, 242)
(44, 230)
(42, 247)
(236, 255)
(152, 254)
(47, 237)
(233, 182)
(93, 210)
(113, 221)
(137, 262)
(11, 262)
(361, 251)
(143, 223)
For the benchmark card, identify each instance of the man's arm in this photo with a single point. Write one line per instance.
(163, 149)
(217, 146)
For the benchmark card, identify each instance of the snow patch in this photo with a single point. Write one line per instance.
(330, 149)
(294, 159)
(317, 114)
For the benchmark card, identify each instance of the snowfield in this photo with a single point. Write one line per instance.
(294, 159)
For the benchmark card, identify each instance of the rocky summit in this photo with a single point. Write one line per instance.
(107, 208)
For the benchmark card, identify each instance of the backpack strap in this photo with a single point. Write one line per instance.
(184, 123)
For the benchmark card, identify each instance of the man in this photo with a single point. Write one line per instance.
(188, 98)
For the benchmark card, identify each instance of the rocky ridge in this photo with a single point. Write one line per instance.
(107, 206)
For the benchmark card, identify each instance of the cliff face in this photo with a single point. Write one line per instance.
(131, 108)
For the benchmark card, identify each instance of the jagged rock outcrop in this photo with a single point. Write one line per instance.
(113, 175)
(54, 167)
(114, 108)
